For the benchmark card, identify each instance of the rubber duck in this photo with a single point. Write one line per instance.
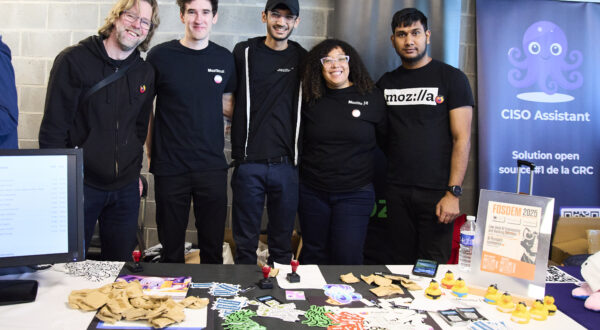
(433, 290)
(506, 304)
(538, 311)
(520, 315)
(448, 280)
(460, 288)
(492, 295)
(549, 304)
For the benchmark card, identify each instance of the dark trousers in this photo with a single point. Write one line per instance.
(173, 195)
(117, 214)
(414, 227)
(251, 183)
(334, 225)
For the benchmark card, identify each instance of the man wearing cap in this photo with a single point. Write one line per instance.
(264, 135)
(187, 140)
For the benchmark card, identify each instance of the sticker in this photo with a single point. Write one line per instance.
(218, 78)
(142, 89)
(355, 113)
(439, 99)
(294, 295)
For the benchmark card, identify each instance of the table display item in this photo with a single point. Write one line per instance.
(549, 304)
(135, 267)
(433, 290)
(520, 314)
(538, 311)
(492, 295)
(293, 277)
(448, 281)
(467, 235)
(424, 267)
(266, 282)
(460, 289)
(506, 304)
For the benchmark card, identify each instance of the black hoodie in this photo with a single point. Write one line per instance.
(111, 126)
(268, 86)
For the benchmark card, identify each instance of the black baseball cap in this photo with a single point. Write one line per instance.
(292, 5)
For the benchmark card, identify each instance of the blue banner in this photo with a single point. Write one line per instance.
(538, 86)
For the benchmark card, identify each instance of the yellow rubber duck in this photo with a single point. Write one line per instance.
(492, 295)
(448, 280)
(520, 315)
(549, 304)
(506, 304)
(538, 311)
(433, 290)
(460, 288)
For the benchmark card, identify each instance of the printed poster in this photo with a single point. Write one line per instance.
(538, 83)
(511, 239)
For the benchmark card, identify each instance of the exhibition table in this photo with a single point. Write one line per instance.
(50, 310)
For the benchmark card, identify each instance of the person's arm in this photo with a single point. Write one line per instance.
(8, 97)
(145, 120)
(149, 138)
(62, 103)
(447, 209)
(228, 104)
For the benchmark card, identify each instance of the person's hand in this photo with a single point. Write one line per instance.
(447, 209)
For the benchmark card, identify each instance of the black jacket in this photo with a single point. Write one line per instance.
(240, 137)
(111, 126)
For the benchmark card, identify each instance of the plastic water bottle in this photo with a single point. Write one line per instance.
(467, 235)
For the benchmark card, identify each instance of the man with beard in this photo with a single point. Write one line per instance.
(264, 135)
(187, 137)
(99, 98)
(429, 114)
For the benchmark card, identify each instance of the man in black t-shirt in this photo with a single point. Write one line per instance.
(195, 79)
(264, 135)
(429, 114)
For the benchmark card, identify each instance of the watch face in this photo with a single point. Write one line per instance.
(456, 190)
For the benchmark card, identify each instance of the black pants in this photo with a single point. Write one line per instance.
(173, 198)
(414, 227)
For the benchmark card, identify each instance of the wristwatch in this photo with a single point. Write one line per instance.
(455, 190)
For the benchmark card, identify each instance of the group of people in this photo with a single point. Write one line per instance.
(305, 126)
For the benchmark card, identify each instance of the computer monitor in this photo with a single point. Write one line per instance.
(41, 207)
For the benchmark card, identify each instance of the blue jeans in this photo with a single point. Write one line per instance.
(334, 225)
(117, 214)
(251, 183)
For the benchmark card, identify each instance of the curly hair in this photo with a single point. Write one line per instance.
(313, 83)
(116, 11)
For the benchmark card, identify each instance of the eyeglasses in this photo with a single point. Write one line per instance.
(132, 18)
(276, 16)
(328, 61)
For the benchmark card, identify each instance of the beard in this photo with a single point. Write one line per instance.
(414, 59)
(278, 38)
(124, 42)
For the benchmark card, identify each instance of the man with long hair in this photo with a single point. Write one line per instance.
(99, 98)
(264, 135)
(195, 79)
(430, 107)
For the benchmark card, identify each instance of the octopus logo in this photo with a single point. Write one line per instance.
(439, 99)
(142, 89)
(545, 62)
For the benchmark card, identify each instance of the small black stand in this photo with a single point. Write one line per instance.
(135, 267)
(17, 291)
(293, 277)
(265, 283)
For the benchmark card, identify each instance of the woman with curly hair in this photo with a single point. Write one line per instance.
(342, 114)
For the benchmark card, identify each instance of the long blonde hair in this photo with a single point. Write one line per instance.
(122, 5)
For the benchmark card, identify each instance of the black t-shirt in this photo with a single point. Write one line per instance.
(273, 86)
(339, 137)
(419, 145)
(188, 127)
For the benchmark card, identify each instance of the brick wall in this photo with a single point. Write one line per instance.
(37, 30)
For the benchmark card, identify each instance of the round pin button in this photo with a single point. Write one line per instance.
(355, 113)
(218, 79)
